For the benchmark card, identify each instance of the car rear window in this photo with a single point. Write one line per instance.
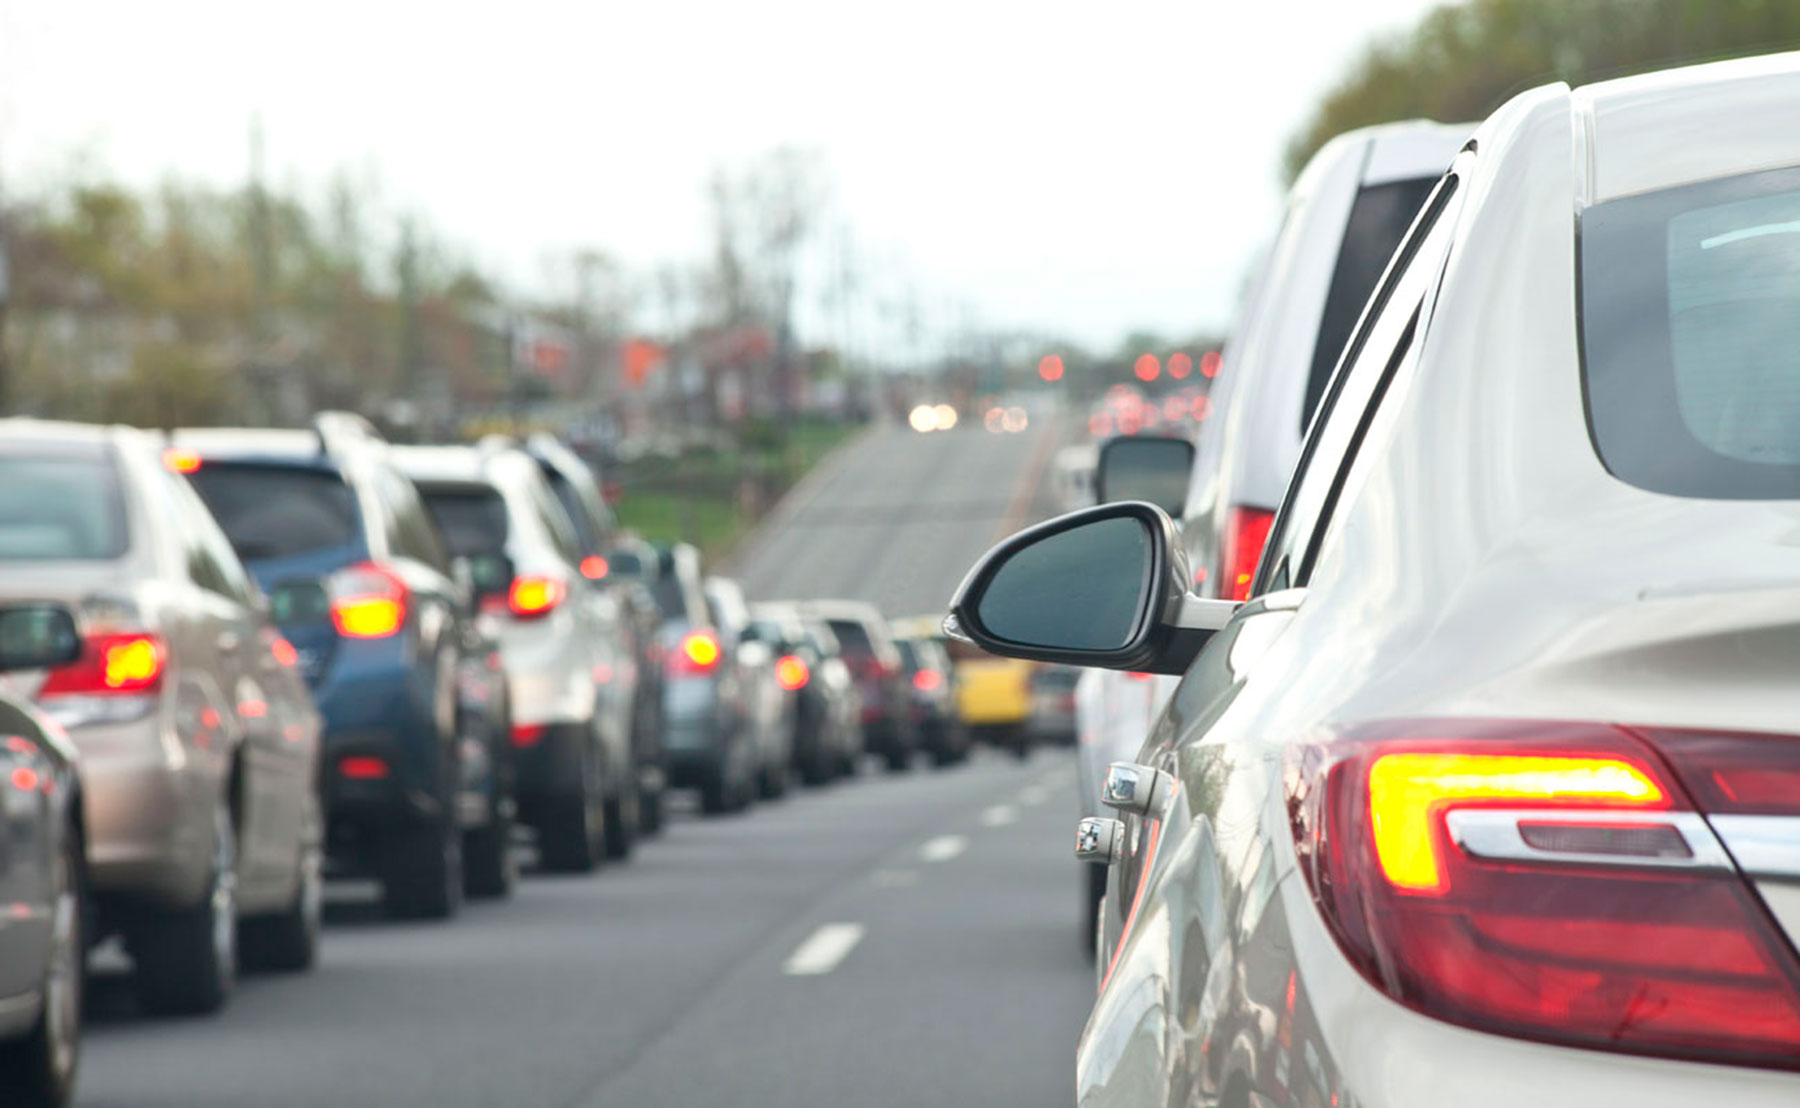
(278, 511)
(1378, 221)
(1690, 334)
(670, 597)
(853, 638)
(909, 657)
(57, 505)
(473, 520)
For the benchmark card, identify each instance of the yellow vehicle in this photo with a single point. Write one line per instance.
(993, 697)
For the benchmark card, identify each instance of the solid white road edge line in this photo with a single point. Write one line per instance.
(823, 950)
(943, 848)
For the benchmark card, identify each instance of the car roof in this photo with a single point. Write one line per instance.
(272, 443)
(1695, 123)
(17, 428)
(845, 610)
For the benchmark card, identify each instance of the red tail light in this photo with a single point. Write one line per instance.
(1553, 881)
(791, 673)
(698, 653)
(113, 664)
(594, 567)
(363, 767)
(367, 601)
(533, 597)
(176, 460)
(1246, 532)
(527, 734)
(928, 680)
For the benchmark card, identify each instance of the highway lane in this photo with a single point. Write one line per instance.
(897, 517)
(954, 975)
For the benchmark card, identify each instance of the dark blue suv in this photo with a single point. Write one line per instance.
(361, 583)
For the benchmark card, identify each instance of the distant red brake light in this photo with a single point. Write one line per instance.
(594, 567)
(1246, 532)
(1548, 880)
(363, 767)
(367, 601)
(176, 460)
(698, 653)
(111, 664)
(791, 672)
(928, 680)
(531, 597)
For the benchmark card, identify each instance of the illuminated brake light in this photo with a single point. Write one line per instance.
(699, 652)
(594, 567)
(367, 601)
(531, 596)
(363, 767)
(1553, 881)
(1246, 532)
(1408, 791)
(176, 460)
(284, 652)
(111, 664)
(526, 735)
(791, 673)
(928, 680)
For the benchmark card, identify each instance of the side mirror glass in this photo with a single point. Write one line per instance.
(1142, 467)
(1104, 586)
(37, 636)
(1079, 589)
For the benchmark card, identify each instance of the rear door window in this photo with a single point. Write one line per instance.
(1378, 221)
(853, 638)
(1690, 328)
(473, 520)
(61, 504)
(279, 511)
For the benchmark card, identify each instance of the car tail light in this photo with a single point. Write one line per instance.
(1549, 880)
(283, 651)
(363, 767)
(527, 734)
(367, 601)
(698, 653)
(532, 597)
(176, 460)
(1246, 532)
(111, 664)
(791, 672)
(928, 680)
(594, 567)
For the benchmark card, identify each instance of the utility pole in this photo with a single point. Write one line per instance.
(5, 301)
(412, 354)
(262, 275)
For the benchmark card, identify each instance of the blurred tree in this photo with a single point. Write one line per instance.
(1463, 60)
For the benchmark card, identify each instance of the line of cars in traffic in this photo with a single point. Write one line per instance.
(1447, 754)
(239, 661)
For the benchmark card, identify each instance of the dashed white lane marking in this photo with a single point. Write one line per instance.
(943, 848)
(894, 877)
(999, 815)
(823, 950)
(1032, 794)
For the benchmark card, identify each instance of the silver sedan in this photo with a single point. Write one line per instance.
(1489, 794)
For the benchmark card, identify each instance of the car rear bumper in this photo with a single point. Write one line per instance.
(149, 815)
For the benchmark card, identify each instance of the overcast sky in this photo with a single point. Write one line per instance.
(1086, 169)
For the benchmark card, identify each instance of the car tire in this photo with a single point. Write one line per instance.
(289, 942)
(423, 872)
(651, 814)
(774, 782)
(715, 794)
(622, 821)
(38, 1070)
(489, 869)
(185, 960)
(572, 837)
(898, 761)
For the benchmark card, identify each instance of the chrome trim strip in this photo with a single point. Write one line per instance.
(1764, 846)
(1493, 833)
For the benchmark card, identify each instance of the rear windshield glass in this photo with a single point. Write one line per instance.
(909, 656)
(473, 521)
(669, 596)
(1690, 335)
(1378, 221)
(853, 637)
(56, 506)
(278, 511)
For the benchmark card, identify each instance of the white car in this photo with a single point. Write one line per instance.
(1486, 795)
(1345, 214)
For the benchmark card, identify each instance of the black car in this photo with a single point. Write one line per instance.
(929, 676)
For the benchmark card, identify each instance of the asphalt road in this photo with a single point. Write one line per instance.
(935, 911)
(898, 518)
(895, 940)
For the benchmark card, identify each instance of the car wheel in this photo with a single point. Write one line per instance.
(573, 835)
(423, 875)
(622, 820)
(289, 942)
(898, 760)
(774, 782)
(651, 816)
(184, 961)
(38, 1070)
(489, 869)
